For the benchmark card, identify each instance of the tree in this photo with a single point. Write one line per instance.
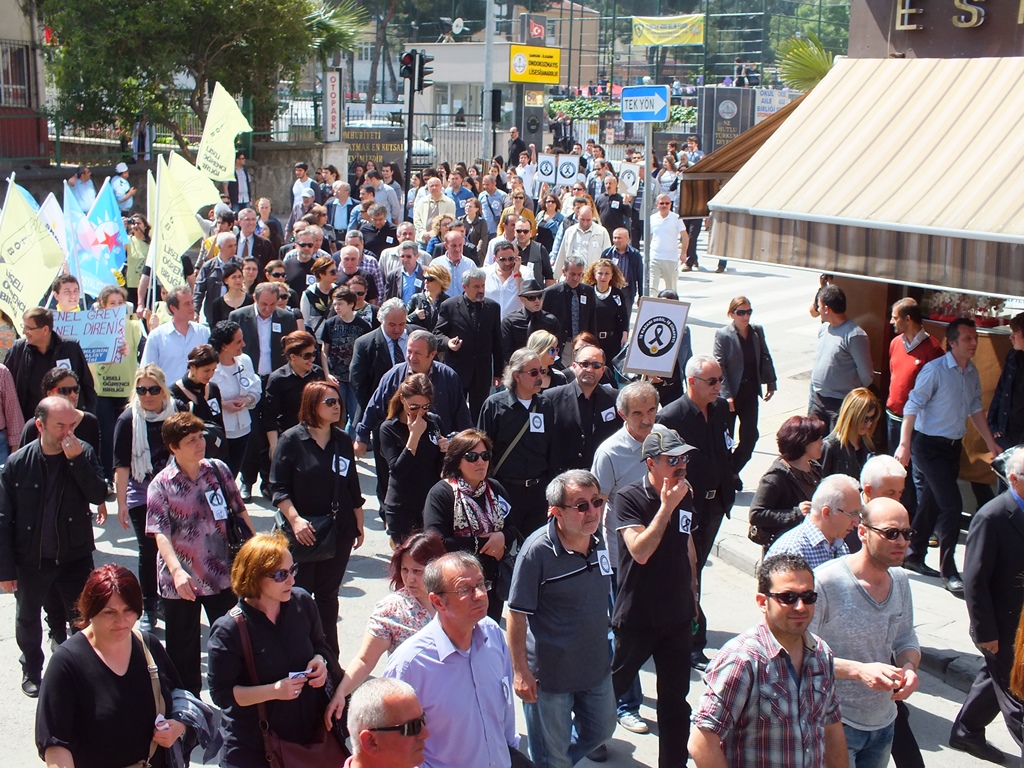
(803, 62)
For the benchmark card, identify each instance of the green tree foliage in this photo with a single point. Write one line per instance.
(803, 62)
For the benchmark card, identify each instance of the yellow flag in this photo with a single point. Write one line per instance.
(150, 197)
(193, 183)
(224, 121)
(669, 30)
(175, 228)
(30, 255)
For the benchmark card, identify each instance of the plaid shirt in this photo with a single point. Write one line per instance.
(753, 703)
(810, 543)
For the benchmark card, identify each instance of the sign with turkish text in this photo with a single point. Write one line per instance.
(382, 145)
(100, 332)
(332, 106)
(657, 334)
(669, 30)
(534, 64)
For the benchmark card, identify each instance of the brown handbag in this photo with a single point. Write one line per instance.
(325, 752)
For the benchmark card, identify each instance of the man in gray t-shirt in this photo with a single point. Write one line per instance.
(865, 613)
(842, 361)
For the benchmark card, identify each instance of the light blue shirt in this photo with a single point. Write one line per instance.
(810, 543)
(943, 397)
(460, 198)
(169, 349)
(455, 270)
(466, 696)
(409, 286)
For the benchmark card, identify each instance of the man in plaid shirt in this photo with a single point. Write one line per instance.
(771, 697)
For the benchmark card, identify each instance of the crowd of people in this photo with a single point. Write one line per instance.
(466, 336)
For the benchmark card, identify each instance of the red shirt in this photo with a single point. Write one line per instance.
(904, 367)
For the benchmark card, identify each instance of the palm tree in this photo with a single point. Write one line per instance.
(803, 61)
(334, 28)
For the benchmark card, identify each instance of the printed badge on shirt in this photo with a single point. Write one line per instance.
(504, 506)
(608, 414)
(341, 465)
(604, 562)
(537, 422)
(64, 363)
(275, 327)
(685, 521)
(214, 406)
(218, 504)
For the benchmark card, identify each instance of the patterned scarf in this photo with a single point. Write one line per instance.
(476, 509)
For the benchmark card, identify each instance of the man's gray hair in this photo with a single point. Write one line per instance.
(635, 391)
(695, 365)
(878, 468)
(339, 184)
(434, 580)
(388, 307)
(369, 708)
(474, 273)
(516, 364)
(315, 231)
(1015, 464)
(247, 211)
(406, 225)
(575, 478)
(354, 234)
(422, 335)
(223, 237)
(830, 492)
(377, 210)
(574, 261)
(409, 245)
(262, 288)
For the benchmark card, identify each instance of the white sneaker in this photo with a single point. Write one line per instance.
(633, 722)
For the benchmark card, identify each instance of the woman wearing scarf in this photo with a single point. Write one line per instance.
(471, 512)
(139, 453)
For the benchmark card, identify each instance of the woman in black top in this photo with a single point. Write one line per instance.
(612, 318)
(234, 298)
(64, 382)
(313, 476)
(96, 702)
(423, 306)
(471, 512)
(286, 636)
(413, 447)
(196, 393)
(283, 395)
(315, 303)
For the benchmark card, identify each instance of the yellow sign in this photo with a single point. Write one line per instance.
(532, 64)
(669, 30)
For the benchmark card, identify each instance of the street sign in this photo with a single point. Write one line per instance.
(645, 103)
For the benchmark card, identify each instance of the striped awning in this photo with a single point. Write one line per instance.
(898, 170)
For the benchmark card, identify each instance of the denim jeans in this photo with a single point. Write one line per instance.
(550, 723)
(348, 396)
(5, 449)
(868, 749)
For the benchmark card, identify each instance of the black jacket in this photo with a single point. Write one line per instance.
(282, 323)
(371, 359)
(21, 507)
(994, 572)
(729, 354)
(571, 447)
(28, 366)
(517, 326)
(839, 459)
(558, 301)
(776, 505)
(479, 359)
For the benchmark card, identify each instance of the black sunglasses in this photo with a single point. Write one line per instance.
(277, 274)
(712, 381)
(428, 279)
(789, 598)
(534, 372)
(590, 364)
(410, 728)
(308, 355)
(281, 576)
(473, 457)
(891, 534)
(585, 506)
(304, 245)
(68, 390)
(743, 312)
(154, 390)
(675, 461)
(330, 402)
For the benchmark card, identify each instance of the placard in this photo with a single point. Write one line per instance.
(546, 168)
(629, 178)
(657, 334)
(568, 169)
(100, 332)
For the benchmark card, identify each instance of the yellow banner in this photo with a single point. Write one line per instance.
(175, 228)
(669, 30)
(534, 64)
(224, 121)
(29, 256)
(193, 183)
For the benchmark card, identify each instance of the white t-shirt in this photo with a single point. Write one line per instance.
(665, 233)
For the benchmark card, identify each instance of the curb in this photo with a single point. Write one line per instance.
(954, 669)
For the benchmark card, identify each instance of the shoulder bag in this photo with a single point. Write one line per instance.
(324, 527)
(158, 697)
(514, 443)
(278, 752)
(235, 529)
(216, 440)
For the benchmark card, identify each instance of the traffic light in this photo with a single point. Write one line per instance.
(423, 71)
(408, 68)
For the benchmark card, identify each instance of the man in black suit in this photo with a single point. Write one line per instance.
(630, 263)
(516, 146)
(210, 283)
(699, 416)
(263, 326)
(469, 331)
(584, 414)
(251, 245)
(994, 591)
(572, 302)
(517, 326)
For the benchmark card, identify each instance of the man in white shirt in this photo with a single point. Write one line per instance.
(504, 278)
(389, 260)
(169, 344)
(668, 245)
(123, 189)
(582, 239)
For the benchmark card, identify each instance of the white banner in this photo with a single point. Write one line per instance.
(657, 333)
(547, 168)
(568, 169)
(629, 178)
(100, 332)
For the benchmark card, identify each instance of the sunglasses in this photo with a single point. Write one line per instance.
(281, 576)
(675, 461)
(534, 372)
(473, 457)
(428, 279)
(332, 271)
(277, 274)
(359, 293)
(522, 231)
(507, 258)
(304, 245)
(744, 312)
(585, 506)
(712, 381)
(535, 297)
(330, 402)
(307, 355)
(891, 534)
(68, 390)
(154, 390)
(410, 728)
(661, 204)
(590, 364)
(789, 598)
(415, 408)
(871, 419)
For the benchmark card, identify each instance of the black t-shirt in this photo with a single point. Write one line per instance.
(298, 274)
(51, 504)
(658, 593)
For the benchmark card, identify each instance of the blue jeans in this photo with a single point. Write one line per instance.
(550, 723)
(5, 449)
(348, 396)
(869, 749)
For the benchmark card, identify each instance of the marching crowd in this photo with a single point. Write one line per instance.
(470, 332)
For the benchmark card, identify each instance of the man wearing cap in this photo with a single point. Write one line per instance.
(517, 326)
(123, 189)
(657, 598)
(307, 199)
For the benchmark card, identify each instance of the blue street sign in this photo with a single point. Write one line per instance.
(645, 103)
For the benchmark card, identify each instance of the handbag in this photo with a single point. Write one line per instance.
(235, 529)
(324, 528)
(280, 753)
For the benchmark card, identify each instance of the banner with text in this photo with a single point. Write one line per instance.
(382, 145)
(29, 255)
(669, 30)
(224, 121)
(100, 332)
(657, 333)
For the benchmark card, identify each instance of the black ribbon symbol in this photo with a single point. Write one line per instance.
(657, 331)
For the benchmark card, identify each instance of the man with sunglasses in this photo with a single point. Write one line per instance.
(532, 255)
(517, 326)
(668, 244)
(699, 416)
(776, 666)
(558, 598)
(835, 512)
(865, 613)
(505, 276)
(376, 741)
(657, 598)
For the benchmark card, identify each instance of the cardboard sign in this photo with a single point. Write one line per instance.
(657, 334)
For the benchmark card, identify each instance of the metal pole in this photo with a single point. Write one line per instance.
(611, 68)
(645, 205)
(568, 76)
(488, 98)
(704, 46)
(410, 100)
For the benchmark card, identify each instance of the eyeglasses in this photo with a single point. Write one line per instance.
(410, 728)
(891, 534)
(27, 328)
(414, 408)
(712, 381)
(661, 204)
(507, 259)
(277, 274)
(68, 390)
(743, 312)
(537, 372)
(589, 364)
(473, 457)
(307, 355)
(789, 598)
(304, 245)
(482, 586)
(154, 390)
(281, 575)
(330, 402)
(855, 515)
(585, 506)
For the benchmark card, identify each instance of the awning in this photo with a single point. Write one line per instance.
(899, 170)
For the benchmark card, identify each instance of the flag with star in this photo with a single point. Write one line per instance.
(96, 242)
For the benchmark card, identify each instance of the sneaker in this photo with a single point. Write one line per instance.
(633, 723)
(246, 492)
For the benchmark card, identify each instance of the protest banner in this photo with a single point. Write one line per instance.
(669, 30)
(30, 256)
(657, 333)
(568, 169)
(193, 183)
(224, 121)
(99, 332)
(629, 178)
(546, 165)
(175, 229)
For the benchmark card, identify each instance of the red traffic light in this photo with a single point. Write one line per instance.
(408, 65)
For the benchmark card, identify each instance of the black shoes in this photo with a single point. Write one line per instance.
(955, 585)
(699, 661)
(979, 748)
(918, 566)
(598, 754)
(30, 686)
(246, 492)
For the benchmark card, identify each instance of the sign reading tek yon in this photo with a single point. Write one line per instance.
(645, 103)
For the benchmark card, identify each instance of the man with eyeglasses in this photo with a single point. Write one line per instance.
(668, 244)
(805, 726)
(408, 278)
(532, 255)
(210, 283)
(835, 512)
(558, 626)
(517, 326)
(572, 301)
(657, 597)
(699, 416)
(865, 613)
(387, 725)
(461, 670)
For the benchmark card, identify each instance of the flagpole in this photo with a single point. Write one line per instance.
(152, 242)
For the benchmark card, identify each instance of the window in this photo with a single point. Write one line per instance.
(14, 74)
